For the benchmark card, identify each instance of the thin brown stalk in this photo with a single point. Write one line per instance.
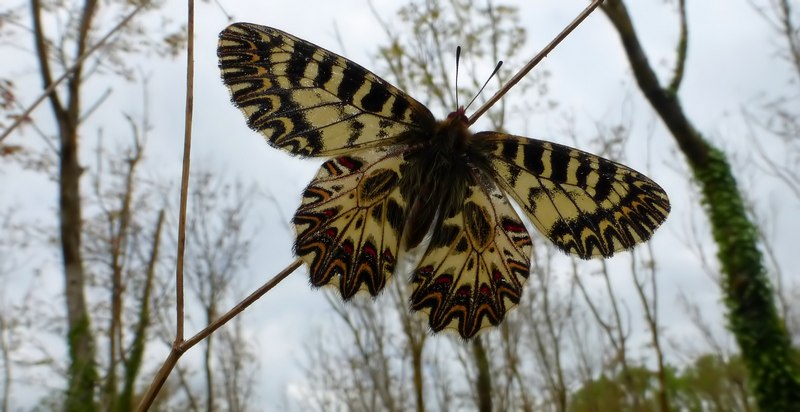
(534, 61)
(187, 149)
(179, 348)
(77, 64)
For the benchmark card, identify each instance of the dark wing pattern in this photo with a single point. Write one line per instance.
(585, 204)
(474, 268)
(350, 222)
(309, 101)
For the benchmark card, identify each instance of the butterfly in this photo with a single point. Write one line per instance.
(396, 176)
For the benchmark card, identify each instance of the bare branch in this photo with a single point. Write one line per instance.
(534, 61)
(179, 348)
(49, 83)
(680, 55)
(44, 65)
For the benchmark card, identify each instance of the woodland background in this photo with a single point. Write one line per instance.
(700, 95)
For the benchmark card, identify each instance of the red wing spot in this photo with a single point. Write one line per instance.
(330, 233)
(512, 226)
(485, 290)
(443, 280)
(368, 249)
(497, 276)
(348, 248)
(347, 162)
(464, 291)
(388, 255)
(329, 212)
(425, 271)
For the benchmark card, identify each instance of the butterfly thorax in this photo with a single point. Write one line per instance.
(437, 177)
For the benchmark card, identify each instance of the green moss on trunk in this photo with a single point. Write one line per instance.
(82, 372)
(752, 316)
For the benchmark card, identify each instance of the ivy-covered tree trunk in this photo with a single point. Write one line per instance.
(753, 319)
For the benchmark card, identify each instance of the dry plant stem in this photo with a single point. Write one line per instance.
(187, 149)
(21, 118)
(179, 348)
(534, 61)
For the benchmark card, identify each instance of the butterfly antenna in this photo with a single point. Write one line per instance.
(458, 58)
(534, 61)
(496, 69)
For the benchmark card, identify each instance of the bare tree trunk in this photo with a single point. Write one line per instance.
(416, 363)
(547, 337)
(82, 373)
(650, 306)
(5, 352)
(133, 364)
(753, 319)
(483, 383)
(416, 337)
(118, 223)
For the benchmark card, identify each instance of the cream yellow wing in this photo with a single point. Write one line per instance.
(585, 204)
(350, 222)
(475, 266)
(309, 101)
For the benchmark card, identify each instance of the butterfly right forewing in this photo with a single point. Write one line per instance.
(585, 204)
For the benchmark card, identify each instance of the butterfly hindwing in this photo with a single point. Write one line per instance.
(474, 268)
(309, 101)
(350, 222)
(585, 204)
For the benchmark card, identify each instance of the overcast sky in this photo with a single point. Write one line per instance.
(731, 63)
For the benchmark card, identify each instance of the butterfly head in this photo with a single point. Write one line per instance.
(452, 135)
(459, 115)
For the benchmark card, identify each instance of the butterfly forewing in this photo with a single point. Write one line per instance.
(474, 269)
(585, 204)
(309, 101)
(350, 222)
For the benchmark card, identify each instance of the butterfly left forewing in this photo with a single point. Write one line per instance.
(350, 221)
(309, 101)
(475, 266)
(585, 204)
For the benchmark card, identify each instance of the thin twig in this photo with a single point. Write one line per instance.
(21, 118)
(180, 348)
(534, 61)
